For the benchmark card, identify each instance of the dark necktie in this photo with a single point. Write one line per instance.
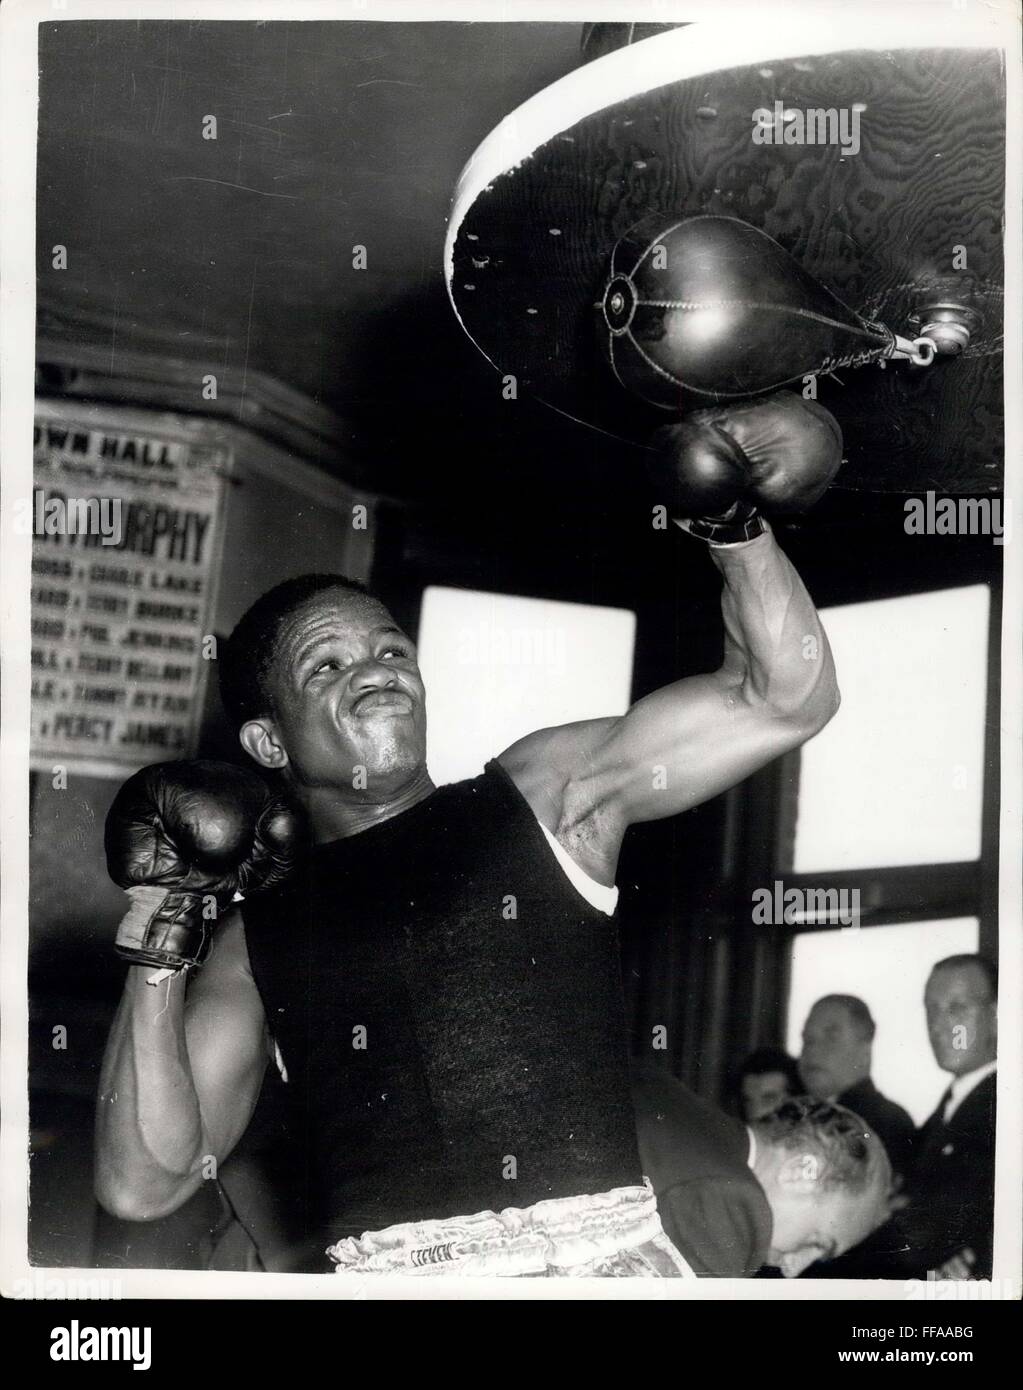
(943, 1105)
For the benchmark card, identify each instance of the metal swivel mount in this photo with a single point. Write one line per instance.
(945, 331)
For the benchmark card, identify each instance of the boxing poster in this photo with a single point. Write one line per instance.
(125, 530)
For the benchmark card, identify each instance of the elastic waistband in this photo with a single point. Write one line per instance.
(562, 1235)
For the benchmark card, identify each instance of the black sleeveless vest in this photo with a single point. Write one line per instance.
(449, 1011)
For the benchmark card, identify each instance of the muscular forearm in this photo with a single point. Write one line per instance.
(775, 646)
(149, 1132)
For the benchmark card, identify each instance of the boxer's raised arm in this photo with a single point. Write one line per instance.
(180, 1079)
(695, 738)
(692, 739)
(776, 686)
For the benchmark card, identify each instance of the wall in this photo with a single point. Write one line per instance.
(280, 517)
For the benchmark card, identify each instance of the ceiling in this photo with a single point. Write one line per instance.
(236, 253)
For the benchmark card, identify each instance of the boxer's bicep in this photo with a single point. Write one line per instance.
(227, 1039)
(675, 748)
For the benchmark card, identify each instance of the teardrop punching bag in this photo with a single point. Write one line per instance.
(716, 308)
(553, 271)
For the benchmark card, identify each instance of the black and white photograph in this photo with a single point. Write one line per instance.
(511, 655)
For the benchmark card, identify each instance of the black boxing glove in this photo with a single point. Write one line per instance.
(183, 838)
(778, 452)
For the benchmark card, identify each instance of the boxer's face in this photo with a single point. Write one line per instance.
(962, 1018)
(349, 706)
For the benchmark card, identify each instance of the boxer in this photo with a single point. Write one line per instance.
(436, 974)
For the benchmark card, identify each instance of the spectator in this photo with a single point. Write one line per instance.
(950, 1217)
(766, 1078)
(835, 1066)
(806, 1182)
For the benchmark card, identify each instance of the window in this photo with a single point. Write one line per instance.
(896, 777)
(890, 799)
(498, 666)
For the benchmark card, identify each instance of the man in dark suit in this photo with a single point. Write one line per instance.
(835, 1064)
(804, 1183)
(949, 1221)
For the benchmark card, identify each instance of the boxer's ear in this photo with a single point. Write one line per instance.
(259, 739)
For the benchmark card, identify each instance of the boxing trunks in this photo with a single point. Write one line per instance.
(609, 1234)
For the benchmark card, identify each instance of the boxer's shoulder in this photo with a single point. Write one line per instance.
(546, 763)
(552, 769)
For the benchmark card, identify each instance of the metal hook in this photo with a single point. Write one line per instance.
(919, 352)
(926, 349)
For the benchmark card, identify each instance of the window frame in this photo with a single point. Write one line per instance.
(905, 893)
